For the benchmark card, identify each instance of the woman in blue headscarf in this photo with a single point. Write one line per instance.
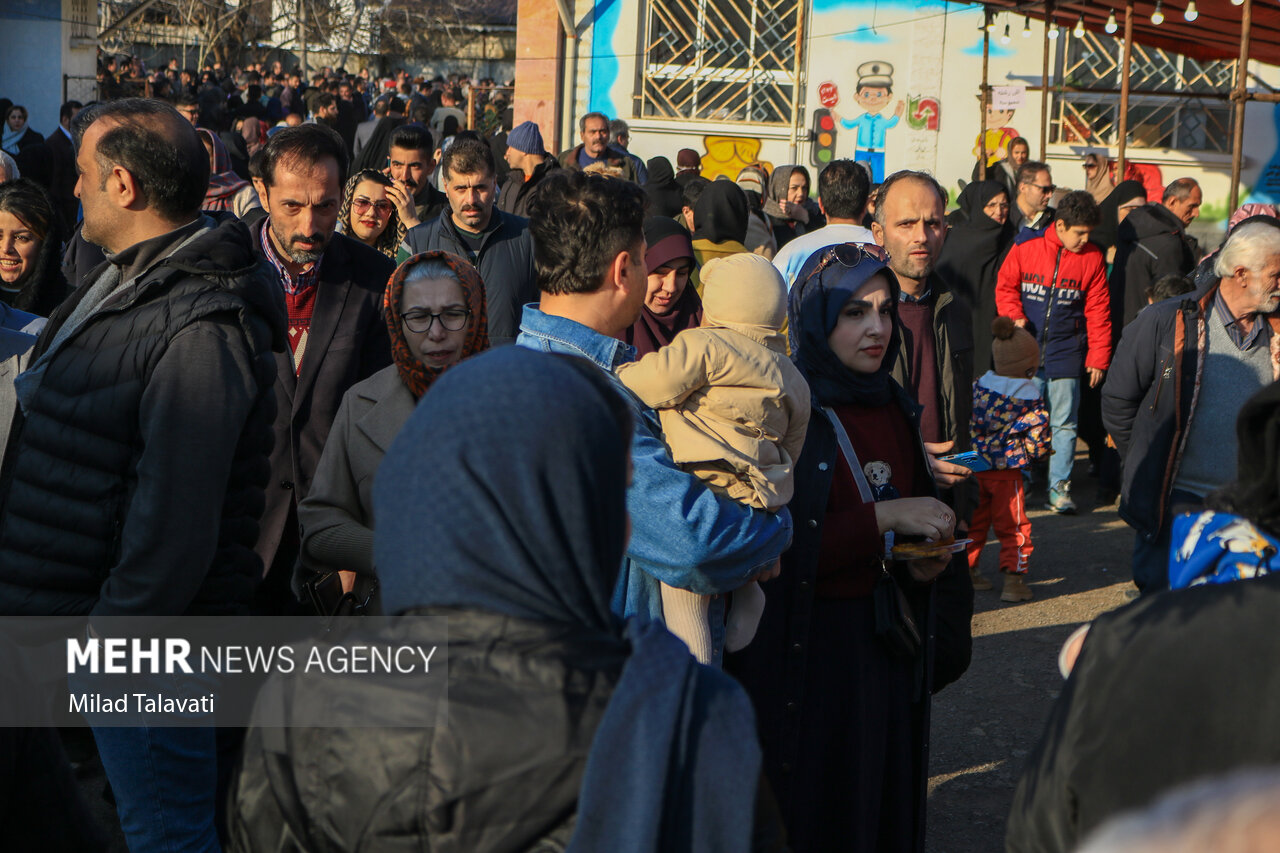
(840, 688)
(506, 515)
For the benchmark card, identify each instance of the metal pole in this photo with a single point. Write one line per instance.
(1044, 84)
(986, 93)
(1241, 98)
(1124, 87)
(302, 27)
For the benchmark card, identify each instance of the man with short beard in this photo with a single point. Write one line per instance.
(333, 288)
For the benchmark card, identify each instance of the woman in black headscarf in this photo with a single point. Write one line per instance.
(1112, 211)
(842, 704)
(662, 189)
(972, 255)
(670, 304)
(560, 723)
(719, 221)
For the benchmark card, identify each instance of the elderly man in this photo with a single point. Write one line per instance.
(1181, 372)
(135, 468)
(595, 152)
(1152, 242)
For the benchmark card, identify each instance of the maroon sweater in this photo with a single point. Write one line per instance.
(922, 363)
(848, 559)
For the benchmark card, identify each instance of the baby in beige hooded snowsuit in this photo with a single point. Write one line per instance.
(734, 411)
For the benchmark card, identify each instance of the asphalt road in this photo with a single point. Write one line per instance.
(985, 725)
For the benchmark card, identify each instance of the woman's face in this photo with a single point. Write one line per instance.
(863, 328)
(997, 208)
(370, 211)
(19, 248)
(438, 346)
(667, 284)
(1127, 208)
(17, 118)
(797, 187)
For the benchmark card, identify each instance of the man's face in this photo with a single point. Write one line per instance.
(1035, 195)
(303, 204)
(637, 284)
(871, 98)
(1073, 238)
(470, 198)
(1186, 209)
(514, 158)
(413, 166)
(294, 81)
(1019, 154)
(1262, 290)
(101, 216)
(329, 113)
(344, 91)
(595, 137)
(913, 229)
(191, 112)
(75, 111)
(624, 140)
(17, 118)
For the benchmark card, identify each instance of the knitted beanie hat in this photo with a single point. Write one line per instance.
(1014, 349)
(526, 137)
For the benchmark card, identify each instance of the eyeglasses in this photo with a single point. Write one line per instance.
(420, 322)
(1045, 188)
(381, 208)
(848, 255)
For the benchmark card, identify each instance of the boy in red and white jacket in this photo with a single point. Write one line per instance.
(1055, 286)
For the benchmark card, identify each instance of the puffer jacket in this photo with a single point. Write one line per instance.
(1010, 424)
(134, 482)
(1063, 296)
(1150, 243)
(517, 193)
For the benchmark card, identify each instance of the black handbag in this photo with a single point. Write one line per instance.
(895, 624)
(324, 592)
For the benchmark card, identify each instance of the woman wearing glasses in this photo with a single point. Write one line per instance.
(840, 687)
(368, 215)
(436, 316)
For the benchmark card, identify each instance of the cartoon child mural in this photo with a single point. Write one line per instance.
(875, 85)
(999, 135)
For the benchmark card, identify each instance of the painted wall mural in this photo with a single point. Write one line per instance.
(867, 132)
(729, 155)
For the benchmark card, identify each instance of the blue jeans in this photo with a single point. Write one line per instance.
(1063, 399)
(165, 782)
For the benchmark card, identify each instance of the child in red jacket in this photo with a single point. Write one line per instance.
(1010, 429)
(1055, 286)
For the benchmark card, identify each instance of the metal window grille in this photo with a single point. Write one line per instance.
(722, 60)
(1181, 103)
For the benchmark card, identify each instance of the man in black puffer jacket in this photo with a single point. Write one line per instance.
(134, 473)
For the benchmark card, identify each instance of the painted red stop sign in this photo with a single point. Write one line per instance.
(829, 95)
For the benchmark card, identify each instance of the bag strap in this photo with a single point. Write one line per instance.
(846, 447)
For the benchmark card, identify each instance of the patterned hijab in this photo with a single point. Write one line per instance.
(223, 182)
(388, 242)
(416, 376)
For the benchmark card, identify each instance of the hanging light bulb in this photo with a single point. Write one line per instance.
(1237, 2)
(1192, 12)
(1026, 28)
(1053, 31)
(1157, 17)
(1078, 32)
(1006, 38)
(1112, 26)
(991, 22)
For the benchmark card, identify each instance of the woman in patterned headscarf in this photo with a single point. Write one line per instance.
(368, 215)
(436, 316)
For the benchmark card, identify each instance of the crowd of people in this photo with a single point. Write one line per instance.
(700, 473)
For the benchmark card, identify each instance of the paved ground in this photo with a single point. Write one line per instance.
(985, 724)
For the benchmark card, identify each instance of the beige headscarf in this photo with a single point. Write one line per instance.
(1099, 183)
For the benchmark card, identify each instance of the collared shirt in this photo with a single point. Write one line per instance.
(292, 286)
(871, 129)
(1242, 339)
(903, 296)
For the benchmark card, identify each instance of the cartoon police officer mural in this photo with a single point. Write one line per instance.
(875, 86)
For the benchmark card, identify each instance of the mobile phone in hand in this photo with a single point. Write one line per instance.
(972, 460)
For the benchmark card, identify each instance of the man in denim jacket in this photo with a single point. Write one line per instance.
(589, 255)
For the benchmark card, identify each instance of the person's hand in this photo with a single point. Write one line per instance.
(898, 110)
(923, 571)
(945, 473)
(348, 581)
(1096, 375)
(928, 517)
(1021, 323)
(770, 573)
(402, 198)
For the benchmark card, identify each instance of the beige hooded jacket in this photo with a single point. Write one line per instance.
(733, 407)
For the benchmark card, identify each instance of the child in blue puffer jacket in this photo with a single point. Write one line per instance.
(1010, 429)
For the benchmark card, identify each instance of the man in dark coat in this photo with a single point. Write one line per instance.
(63, 161)
(1151, 242)
(496, 243)
(133, 476)
(333, 288)
(529, 163)
(595, 150)
(410, 163)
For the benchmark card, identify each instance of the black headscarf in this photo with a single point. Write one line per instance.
(667, 240)
(720, 214)
(662, 189)
(524, 507)
(812, 311)
(971, 257)
(1104, 236)
(374, 153)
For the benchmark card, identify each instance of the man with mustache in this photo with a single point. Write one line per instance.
(410, 162)
(498, 244)
(333, 287)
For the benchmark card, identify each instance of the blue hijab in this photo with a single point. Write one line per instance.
(506, 492)
(813, 308)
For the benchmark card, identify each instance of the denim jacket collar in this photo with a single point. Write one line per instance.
(605, 351)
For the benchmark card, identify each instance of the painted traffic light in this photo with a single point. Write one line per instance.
(822, 149)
